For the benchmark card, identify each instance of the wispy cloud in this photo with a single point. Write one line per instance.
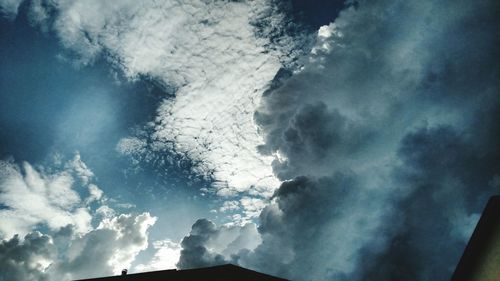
(30, 197)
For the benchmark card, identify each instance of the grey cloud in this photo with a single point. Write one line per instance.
(45, 198)
(194, 252)
(388, 137)
(208, 245)
(25, 259)
(107, 249)
(451, 172)
(317, 228)
(67, 255)
(314, 230)
(312, 137)
(92, 260)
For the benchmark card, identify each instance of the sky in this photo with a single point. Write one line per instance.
(311, 140)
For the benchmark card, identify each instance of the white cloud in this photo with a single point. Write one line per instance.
(166, 256)
(231, 205)
(95, 193)
(105, 211)
(68, 256)
(209, 53)
(46, 198)
(80, 168)
(31, 197)
(103, 251)
(252, 206)
(131, 146)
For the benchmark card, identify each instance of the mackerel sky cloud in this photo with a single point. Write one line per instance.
(209, 55)
(313, 140)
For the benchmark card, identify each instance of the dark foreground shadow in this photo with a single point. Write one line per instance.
(481, 258)
(226, 272)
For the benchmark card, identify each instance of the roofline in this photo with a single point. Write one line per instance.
(228, 265)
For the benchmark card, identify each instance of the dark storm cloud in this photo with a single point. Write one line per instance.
(389, 139)
(315, 134)
(386, 139)
(309, 233)
(194, 252)
(453, 172)
(313, 230)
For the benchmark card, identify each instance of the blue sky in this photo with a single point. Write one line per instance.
(314, 140)
(51, 107)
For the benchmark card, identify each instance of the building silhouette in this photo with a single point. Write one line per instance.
(481, 258)
(228, 272)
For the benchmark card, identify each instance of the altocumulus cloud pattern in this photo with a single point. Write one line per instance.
(315, 140)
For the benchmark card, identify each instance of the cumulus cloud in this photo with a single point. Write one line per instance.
(209, 245)
(47, 198)
(106, 250)
(65, 255)
(27, 258)
(166, 256)
(385, 142)
(319, 225)
(385, 135)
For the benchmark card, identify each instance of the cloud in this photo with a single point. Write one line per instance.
(385, 141)
(252, 207)
(208, 245)
(80, 168)
(8, 8)
(312, 137)
(30, 197)
(392, 113)
(47, 199)
(106, 250)
(230, 206)
(314, 229)
(67, 256)
(194, 250)
(447, 171)
(215, 57)
(166, 256)
(26, 259)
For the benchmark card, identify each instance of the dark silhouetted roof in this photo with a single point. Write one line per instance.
(481, 258)
(226, 272)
